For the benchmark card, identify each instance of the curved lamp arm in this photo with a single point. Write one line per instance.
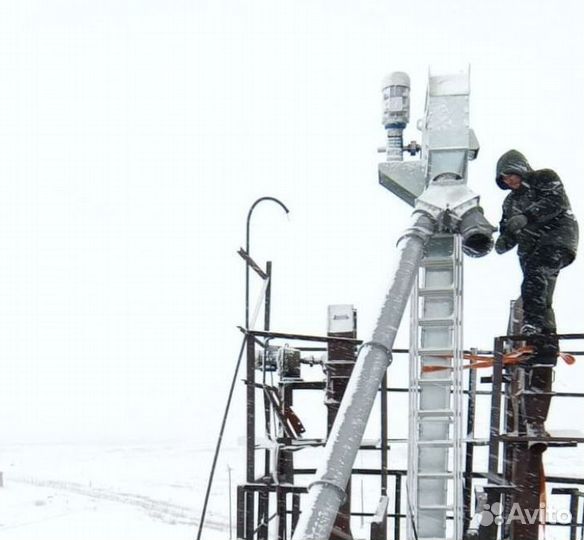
(247, 246)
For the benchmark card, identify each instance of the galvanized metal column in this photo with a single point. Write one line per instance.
(435, 450)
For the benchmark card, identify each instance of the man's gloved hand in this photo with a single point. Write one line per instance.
(504, 244)
(516, 223)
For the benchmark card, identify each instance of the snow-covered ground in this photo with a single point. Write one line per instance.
(146, 492)
(151, 491)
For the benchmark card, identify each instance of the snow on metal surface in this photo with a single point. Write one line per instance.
(326, 493)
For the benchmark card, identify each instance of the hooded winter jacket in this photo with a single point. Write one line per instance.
(542, 199)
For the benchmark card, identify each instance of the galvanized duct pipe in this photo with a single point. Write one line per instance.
(477, 233)
(327, 491)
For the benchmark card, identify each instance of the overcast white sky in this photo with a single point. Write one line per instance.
(134, 135)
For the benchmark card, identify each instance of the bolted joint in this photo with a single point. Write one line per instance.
(379, 346)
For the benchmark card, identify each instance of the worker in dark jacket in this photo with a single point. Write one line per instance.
(538, 219)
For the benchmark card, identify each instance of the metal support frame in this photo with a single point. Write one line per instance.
(576, 510)
(294, 492)
(253, 498)
(509, 477)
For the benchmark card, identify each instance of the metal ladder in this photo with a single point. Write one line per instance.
(436, 391)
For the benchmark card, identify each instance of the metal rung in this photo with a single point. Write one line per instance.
(442, 381)
(500, 488)
(447, 507)
(437, 262)
(554, 438)
(436, 291)
(433, 538)
(435, 419)
(436, 322)
(436, 352)
(447, 474)
(436, 412)
(436, 443)
(534, 393)
(476, 442)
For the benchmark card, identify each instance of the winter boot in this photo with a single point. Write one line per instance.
(536, 404)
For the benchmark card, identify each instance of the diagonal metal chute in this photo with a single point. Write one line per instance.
(326, 493)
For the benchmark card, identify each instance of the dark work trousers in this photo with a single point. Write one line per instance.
(540, 272)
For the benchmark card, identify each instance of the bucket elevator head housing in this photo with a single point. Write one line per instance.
(437, 182)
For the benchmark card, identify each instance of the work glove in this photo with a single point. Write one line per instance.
(516, 223)
(504, 243)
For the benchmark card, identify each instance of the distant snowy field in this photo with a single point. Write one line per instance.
(150, 492)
